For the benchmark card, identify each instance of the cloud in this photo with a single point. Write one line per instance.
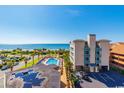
(73, 12)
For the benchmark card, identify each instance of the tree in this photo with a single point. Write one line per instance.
(4, 60)
(48, 52)
(38, 55)
(26, 61)
(10, 63)
(33, 54)
(68, 66)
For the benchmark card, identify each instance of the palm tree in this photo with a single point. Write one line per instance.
(26, 61)
(48, 52)
(3, 61)
(38, 53)
(21, 53)
(4, 53)
(44, 51)
(10, 63)
(11, 67)
(68, 66)
(33, 54)
(13, 52)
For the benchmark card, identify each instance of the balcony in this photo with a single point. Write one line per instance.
(98, 52)
(87, 51)
(86, 60)
(98, 62)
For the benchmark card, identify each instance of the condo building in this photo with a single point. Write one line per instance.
(117, 55)
(90, 55)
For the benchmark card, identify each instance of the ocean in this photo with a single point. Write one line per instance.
(34, 46)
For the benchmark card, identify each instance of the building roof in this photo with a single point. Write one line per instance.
(78, 40)
(81, 40)
(104, 40)
(91, 34)
(117, 47)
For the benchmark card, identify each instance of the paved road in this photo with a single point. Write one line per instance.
(17, 67)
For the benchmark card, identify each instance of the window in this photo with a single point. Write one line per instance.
(97, 59)
(97, 53)
(87, 59)
(97, 64)
(87, 64)
(86, 52)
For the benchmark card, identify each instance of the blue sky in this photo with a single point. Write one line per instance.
(60, 24)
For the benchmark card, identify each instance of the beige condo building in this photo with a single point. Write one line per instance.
(90, 55)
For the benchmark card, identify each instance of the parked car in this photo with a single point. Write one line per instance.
(78, 75)
(4, 67)
(81, 81)
(87, 78)
(29, 58)
(77, 84)
(16, 63)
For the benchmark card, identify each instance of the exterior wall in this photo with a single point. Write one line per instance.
(91, 55)
(117, 59)
(72, 53)
(79, 53)
(117, 55)
(105, 53)
(92, 46)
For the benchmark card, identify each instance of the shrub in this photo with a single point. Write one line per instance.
(1, 66)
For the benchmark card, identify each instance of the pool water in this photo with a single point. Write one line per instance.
(52, 61)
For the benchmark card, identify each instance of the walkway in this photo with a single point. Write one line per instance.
(64, 83)
(63, 78)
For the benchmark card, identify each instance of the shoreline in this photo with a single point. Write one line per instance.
(34, 46)
(30, 49)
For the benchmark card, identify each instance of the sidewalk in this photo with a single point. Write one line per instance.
(64, 78)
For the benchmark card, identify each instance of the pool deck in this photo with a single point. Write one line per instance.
(52, 77)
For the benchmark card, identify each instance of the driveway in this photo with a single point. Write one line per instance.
(110, 79)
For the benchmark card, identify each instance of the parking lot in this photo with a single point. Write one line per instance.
(110, 79)
(93, 84)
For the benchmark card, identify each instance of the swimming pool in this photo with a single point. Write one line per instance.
(52, 61)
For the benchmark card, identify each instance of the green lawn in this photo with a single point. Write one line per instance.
(30, 64)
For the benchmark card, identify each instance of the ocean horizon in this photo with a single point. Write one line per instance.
(33, 46)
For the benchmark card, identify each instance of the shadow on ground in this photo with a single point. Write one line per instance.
(110, 79)
(62, 84)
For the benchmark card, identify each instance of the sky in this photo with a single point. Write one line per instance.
(60, 24)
